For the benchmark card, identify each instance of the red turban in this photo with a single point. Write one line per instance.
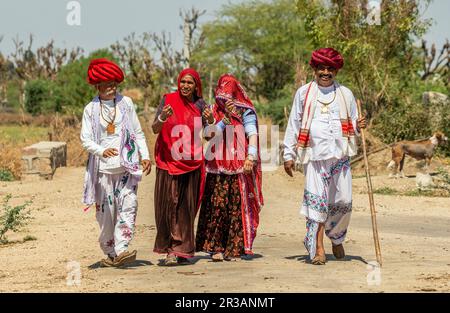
(103, 70)
(328, 57)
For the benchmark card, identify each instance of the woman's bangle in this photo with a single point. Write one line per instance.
(159, 119)
(226, 120)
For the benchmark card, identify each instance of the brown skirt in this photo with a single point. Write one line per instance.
(176, 203)
(220, 223)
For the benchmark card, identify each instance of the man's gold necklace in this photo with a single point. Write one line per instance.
(325, 105)
(110, 128)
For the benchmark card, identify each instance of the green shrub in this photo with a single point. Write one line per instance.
(6, 175)
(402, 121)
(39, 97)
(12, 218)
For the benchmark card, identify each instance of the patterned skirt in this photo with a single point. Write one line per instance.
(220, 221)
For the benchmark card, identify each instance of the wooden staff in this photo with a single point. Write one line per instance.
(370, 191)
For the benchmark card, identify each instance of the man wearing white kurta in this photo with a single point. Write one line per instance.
(321, 133)
(112, 135)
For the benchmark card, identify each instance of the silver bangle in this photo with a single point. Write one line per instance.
(159, 119)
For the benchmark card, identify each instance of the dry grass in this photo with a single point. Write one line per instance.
(25, 119)
(67, 129)
(12, 139)
(10, 159)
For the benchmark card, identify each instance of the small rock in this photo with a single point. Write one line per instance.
(424, 181)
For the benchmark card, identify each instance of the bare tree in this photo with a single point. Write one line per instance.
(6, 74)
(435, 63)
(190, 25)
(51, 59)
(137, 60)
(25, 64)
(44, 63)
(170, 59)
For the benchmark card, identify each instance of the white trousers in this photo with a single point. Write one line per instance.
(327, 199)
(116, 208)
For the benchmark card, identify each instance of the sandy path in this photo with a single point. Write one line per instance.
(415, 242)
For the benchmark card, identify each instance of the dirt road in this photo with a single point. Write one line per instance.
(414, 232)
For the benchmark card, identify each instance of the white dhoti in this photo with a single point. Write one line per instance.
(327, 199)
(116, 208)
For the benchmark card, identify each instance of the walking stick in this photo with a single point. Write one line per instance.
(370, 191)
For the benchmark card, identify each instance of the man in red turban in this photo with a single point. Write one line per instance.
(321, 136)
(113, 136)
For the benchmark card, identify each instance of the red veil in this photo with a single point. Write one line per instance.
(229, 88)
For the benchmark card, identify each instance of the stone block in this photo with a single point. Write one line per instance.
(44, 158)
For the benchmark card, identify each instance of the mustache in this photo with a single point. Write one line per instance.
(326, 76)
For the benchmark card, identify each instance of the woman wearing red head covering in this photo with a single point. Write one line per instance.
(180, 167)
(233, 196)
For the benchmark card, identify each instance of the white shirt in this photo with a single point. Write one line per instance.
(326, 128)
(111, 165)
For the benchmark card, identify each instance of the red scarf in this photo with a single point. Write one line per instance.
(184, 113)
(183, 116)
(229, 88)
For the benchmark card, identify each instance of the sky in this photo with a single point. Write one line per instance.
(104, 22)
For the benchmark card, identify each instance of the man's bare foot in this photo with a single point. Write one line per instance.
(339, 252)
(320, 258)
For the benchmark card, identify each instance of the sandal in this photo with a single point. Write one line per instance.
(170, 260)
(217, 257)
(319, 260)
(125, 258)
(108, 262)
(338, 252)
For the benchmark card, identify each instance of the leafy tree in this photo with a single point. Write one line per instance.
(39, 97)
(259, 41)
